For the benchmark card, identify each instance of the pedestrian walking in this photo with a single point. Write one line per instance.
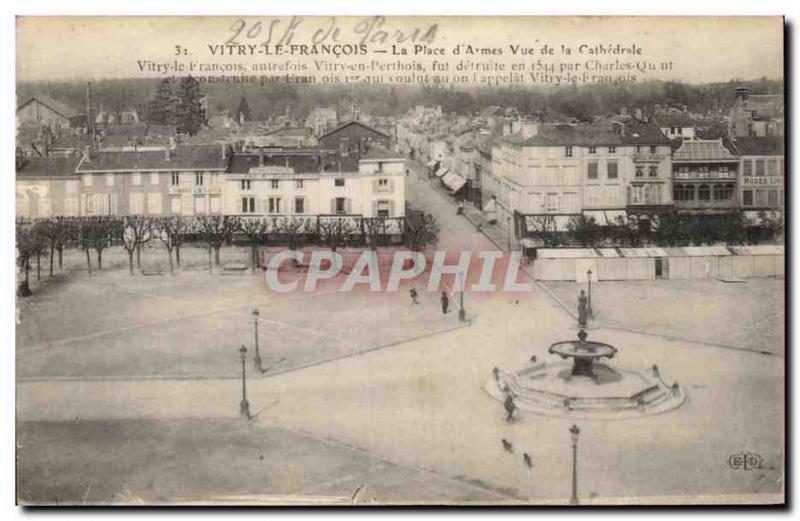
(445, 302)
(413, 293)
(460, 210)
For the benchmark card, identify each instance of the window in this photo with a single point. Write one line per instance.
(154, 204)
(43, 207)
(383, 209)
(136, 179)
(638, 149)
(747, 198)
(248, 205)
(339, 182)
(639, 171)
(747, 168)
(298, 184)
(383, 182)
(198, 178)
(175, 179)
(780, 169)
(612, 150)
(88, 180)
(274, 184)
(592, 149)
(773, 198)
(154, 178)
(200, 204)
(652, 194)
(245, 184)
(274, 204)
(592, 172)
(652, 149)
(760, 167)
(109, 179)
(341, 206)
(772, 167)
(71, 206)
(703, 193)
(761, 197)
(684, 193)
(723, 192)
(175, 205)
(299, 205)
(568, 151)
(551, 202)
(724, 171)
(612, 170)
(71, 187)
(653, 172)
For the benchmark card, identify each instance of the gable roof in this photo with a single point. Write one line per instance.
(352, 122)
(643, 134)
(55, 105)
(673, 119)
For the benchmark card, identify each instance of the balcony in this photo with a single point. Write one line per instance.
(702, 176)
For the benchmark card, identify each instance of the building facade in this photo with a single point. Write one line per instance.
(762, 167)
(704, 177)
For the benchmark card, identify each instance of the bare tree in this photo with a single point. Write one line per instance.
(38, 245)
(24, 253)
(293, 230)
(136, 230)
(215, 230)
(256, 229)
(171, 232)
(373, 229)
(334, 230)
(55, 232)
(420, 230)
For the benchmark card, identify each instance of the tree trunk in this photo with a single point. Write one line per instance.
(253, 258)
(169, 254)
(88, 262)
(130, 261)
(27, 271)
(210, 269)
(60, 257)
(178, 255)
(52, 254)
(216, 254)
(38, 267)
(139, 256)
(99, 258)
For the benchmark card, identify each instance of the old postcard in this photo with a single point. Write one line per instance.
(380, 260)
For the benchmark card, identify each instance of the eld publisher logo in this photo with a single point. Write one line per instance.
(745, 461)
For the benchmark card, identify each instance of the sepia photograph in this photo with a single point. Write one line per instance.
(399, 260)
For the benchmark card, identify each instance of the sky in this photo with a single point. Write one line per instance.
(700, 49)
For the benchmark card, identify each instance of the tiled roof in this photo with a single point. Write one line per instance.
(48, 167)
(643, 134)
(380, 153)
(305, 163)
(760, 146)
(62, 108)
(673, 119)
(567, 135)
(182, 157)
(353, 122)
(702, 151)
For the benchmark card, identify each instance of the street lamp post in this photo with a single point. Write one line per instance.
(462, 313)
(574, 431)
(244, 405)
(589, 278)
(255, 333)
(508, 222)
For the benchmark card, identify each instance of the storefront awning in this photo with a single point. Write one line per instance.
(453, 182)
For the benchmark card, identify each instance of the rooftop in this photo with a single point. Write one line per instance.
(58, 106)
(702, 151)
(182, 157)
(48, 167)
(760, 146)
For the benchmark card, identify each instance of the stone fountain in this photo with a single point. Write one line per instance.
(580, 384)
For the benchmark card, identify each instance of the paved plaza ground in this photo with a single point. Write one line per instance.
(206, 461)
(410, 421)
(112, 324)
(747, 315)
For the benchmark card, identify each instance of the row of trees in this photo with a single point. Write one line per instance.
(667, 229)
(48, 238)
